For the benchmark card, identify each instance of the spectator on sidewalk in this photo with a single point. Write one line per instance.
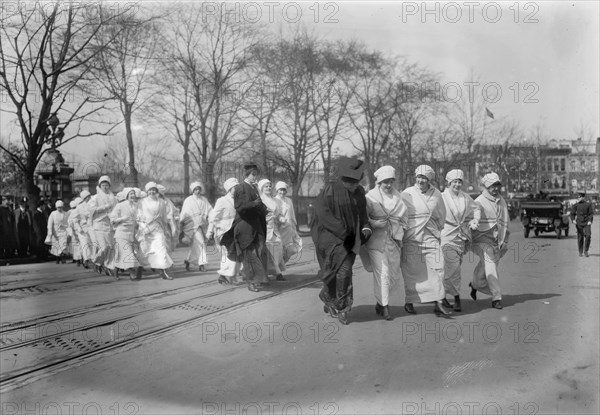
(40, 231)
(23, 228)
(8, 241)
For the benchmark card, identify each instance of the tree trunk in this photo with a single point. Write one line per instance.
(132, 177)
(186, 169)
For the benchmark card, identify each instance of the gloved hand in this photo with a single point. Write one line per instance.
(366, 234)
(474, 224)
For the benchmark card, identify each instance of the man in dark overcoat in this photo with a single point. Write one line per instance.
(23, 228)
(249, 229)
(582, 215)
(339, 228)
(8, 241)
(40, 230)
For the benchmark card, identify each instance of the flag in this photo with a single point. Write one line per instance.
(489, 113)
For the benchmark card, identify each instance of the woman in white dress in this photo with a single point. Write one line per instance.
(124, 220)
(100, 206)
(153, 223)
(74, 216)
(80, 224)
(462, 216)
(220, 228)
(273, 238)
(290, 240)
(422, 262)
(388, 219)
(57, 230)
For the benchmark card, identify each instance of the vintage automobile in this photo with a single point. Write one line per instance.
(544, 216)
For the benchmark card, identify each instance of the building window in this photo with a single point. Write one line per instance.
(573, 165)
(549, 164)
(562, 164)
(582, 165)
(556, 164)
(593, 166)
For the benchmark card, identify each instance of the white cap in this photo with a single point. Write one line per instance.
(229, 183)
(84, 194)
(456, 174)
(384, 173)
(490, 179)
(281, 185)
(262, 183)
(151, 185)
(59, 203)
(161, 188)
(103, 179)
(194, 185)
(425, 170)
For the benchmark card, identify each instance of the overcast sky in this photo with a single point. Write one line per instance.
(542, 57)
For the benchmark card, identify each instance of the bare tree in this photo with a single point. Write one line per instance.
(122, 68)
(212, 52)
(43, 52)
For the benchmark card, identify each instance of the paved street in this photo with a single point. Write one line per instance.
(193, 346)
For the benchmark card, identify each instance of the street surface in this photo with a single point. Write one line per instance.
(74, 342)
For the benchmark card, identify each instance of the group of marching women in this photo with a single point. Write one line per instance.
(138, 229)
(419, 235)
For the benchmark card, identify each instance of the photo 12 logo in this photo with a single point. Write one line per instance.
(271, 11)
(469, 11)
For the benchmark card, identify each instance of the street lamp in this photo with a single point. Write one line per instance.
(53, 132)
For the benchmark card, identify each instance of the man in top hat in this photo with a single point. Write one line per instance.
(23, 227)
(250, 228)
(194, 223)
(582, 215)
(490, 240)
(339, 228)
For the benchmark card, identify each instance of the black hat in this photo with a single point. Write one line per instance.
(350, 167)
(23, 201)
(250, 166)
(581, 192)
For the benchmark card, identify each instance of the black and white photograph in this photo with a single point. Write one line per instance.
(299, 207)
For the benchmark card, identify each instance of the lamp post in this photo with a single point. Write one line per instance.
(53, 132)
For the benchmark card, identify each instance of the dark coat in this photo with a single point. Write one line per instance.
(40, 226)
(338, 214)
(583, 211)
(250, 219)
(8, 239)
(23, 227)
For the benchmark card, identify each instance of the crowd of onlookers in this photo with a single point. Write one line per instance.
(23, 229)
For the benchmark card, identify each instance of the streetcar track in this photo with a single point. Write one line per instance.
(34, 373)
(61, 315)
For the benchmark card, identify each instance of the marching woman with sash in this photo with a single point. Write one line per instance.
(462, 216)
(290, 240)
(221, 229)
(74, 216)
(422, 262)
(387, 216)
(153, 223)
(273, 238)
(123, 218)
(99, 208)
(57, 232)
(490, 240)
(194, 223)
(80, 224)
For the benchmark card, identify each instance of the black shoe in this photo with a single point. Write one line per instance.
(330, 310)
(343, 317)
(165, 276)
(187, 265)
(457, 306)
(409, 308)
(446, 304)
(280, 277)
(497, 304)
(473, 292)
(201, 268)
(253, 288)
(378, 309)
(385, 312)
(222, 280)
(586, 254)
(440, 310)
